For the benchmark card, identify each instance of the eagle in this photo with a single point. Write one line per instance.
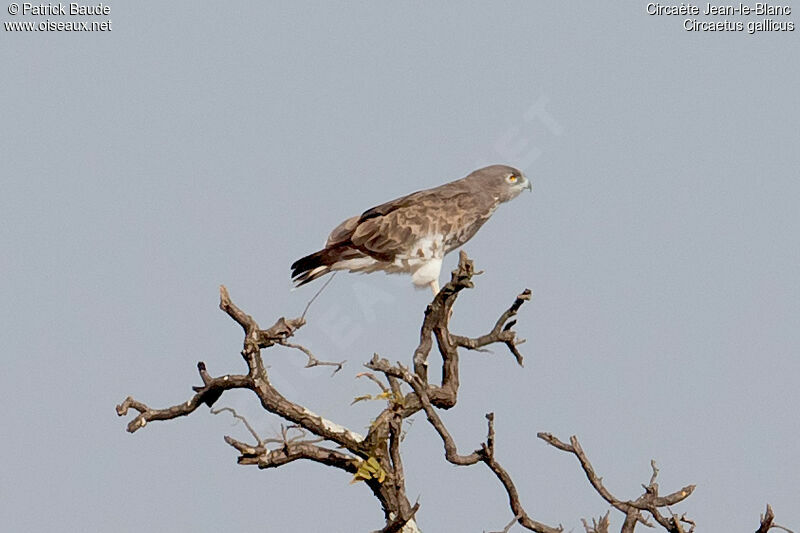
(412, 234)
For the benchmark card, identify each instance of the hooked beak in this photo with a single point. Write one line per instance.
(528, 185)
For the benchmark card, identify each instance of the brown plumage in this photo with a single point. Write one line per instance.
(413, 233)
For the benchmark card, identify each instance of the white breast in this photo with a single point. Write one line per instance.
(427, 272)
(423, 260)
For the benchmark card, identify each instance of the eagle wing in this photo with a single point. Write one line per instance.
(413, 233)
(394, 228)
(420, 226)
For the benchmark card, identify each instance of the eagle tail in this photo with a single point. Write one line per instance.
(316, 265)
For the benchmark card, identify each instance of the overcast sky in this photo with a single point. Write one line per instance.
(198, 144)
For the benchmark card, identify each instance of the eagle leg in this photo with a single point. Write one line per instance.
(435, 287)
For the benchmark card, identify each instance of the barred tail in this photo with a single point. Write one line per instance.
(311, 267)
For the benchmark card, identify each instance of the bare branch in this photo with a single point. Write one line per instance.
(292, 451)
(688, 521)
(302, 435)
(501, 332)
(766, 520)
(596, 482)
(243, 319)
(313, 437)
(514, 500)
(650, 501)
(312, 360)
(631, 519)
(508, 526)
(450, 448)
(373, 378)
(208, 394)
(655, 473)
(485, 454)
(256, 380)
(398, 475)
(256, 338)
(600, 525)
(237, 416)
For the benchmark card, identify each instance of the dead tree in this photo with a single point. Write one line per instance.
(375, 458)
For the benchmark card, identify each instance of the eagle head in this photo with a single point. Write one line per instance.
(502, 181)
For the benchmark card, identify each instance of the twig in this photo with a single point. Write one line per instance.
(286, 439)
(597, 482)
(237, 416)
(292, 451)
(650, 501)
(600, 525)
(768, 522)
(373, 378)
(501, 332)
(207, 394)
(655, 472)
(311, 301)
(312, 360)
(689, 521)
(508, 526)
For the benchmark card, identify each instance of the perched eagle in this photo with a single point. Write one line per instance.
(413, 233)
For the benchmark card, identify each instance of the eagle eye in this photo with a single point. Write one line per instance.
(512, 178)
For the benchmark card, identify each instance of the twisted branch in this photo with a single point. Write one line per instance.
(256, 379)
(379, 452)
(501, 332)
(650, 501)
(207, 394)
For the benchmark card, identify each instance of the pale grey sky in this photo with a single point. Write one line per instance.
(205, 143)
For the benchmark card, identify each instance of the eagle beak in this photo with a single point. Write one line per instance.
(529, 185)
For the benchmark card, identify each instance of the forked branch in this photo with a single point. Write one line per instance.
(650, 501)
(376, 459)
